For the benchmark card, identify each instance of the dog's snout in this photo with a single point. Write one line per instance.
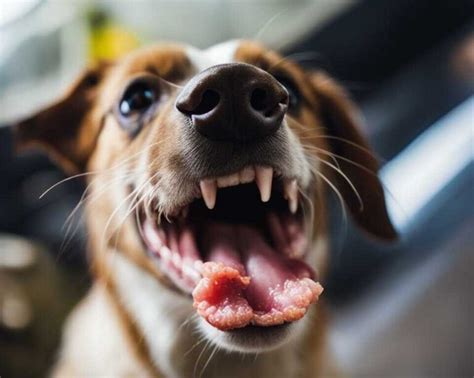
(234, 102)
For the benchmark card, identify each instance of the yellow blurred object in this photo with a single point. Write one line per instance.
(111, 42)
(107, 39)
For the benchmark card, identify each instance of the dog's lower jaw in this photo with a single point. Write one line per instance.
(180, 349)
(97, 340)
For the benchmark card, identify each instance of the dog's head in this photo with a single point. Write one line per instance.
(207, 168)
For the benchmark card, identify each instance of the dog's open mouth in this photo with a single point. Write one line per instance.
(239, 250)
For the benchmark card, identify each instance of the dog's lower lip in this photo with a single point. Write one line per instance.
(242, 267)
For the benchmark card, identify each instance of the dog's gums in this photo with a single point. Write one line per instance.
(239, 250)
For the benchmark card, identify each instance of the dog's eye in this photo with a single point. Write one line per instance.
(137, 99)
(138, 103)
(295, 94)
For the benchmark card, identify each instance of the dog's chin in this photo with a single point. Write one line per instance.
(251, 339)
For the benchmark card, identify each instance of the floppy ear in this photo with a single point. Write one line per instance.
(340, 120)
(67, 129)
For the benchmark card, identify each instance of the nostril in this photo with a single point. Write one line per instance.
(258, 99)
(267, 103)
(210, 99)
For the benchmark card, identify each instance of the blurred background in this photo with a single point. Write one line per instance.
(398, 310)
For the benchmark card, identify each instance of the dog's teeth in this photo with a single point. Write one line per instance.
(165, 253)
(151, 235)
(198, 264)
(226, 181)
(264, 176)
(246, 175)
(190, 271)
(176, 259)
(291, 194)
(209, 192)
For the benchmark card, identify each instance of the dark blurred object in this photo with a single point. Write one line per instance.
(25, 177)
(374, 40)
(35, 297)
(39, 285)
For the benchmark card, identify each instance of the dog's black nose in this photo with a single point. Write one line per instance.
(234, 102)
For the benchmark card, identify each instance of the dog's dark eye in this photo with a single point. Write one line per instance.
(295, 94)
(137, 99)
(138, 103)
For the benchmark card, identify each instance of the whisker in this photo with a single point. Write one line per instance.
(200, 341)
(259, 34)
(336, 191)
(297, 56)
(360, 166)
(356, 192)
(96, 172)
(134, 193)
(325, 136)
(200, 356)
(170, 83)
(310, 149)
(309, 201)
(209, 359)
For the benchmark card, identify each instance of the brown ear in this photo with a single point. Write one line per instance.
(340, 120)
(67, 129)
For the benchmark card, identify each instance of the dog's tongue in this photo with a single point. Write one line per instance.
(245, 281)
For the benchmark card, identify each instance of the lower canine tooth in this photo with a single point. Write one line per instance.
(264, 177)
(209, 192)
(198, 264)
(291, 194)
(165, 253)
(189, 271)
(176, 258)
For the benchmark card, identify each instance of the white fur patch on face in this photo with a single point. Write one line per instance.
(160, 313)
(217, 54)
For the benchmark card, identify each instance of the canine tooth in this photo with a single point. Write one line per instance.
(230, 180)
(209, 191)
(176, 259)
(247, 175)
(291, 194)
(190, 272)
(165, 253)
(198, 264)
(151, 235)
(264, 176)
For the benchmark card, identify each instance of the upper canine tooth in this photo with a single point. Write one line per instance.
(230, 180)
(209, 192)
(264, 176)
(291, 194)
(247, 175)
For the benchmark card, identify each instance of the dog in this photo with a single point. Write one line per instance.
(207, 174)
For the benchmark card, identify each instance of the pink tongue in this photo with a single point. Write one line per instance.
(277, 289)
